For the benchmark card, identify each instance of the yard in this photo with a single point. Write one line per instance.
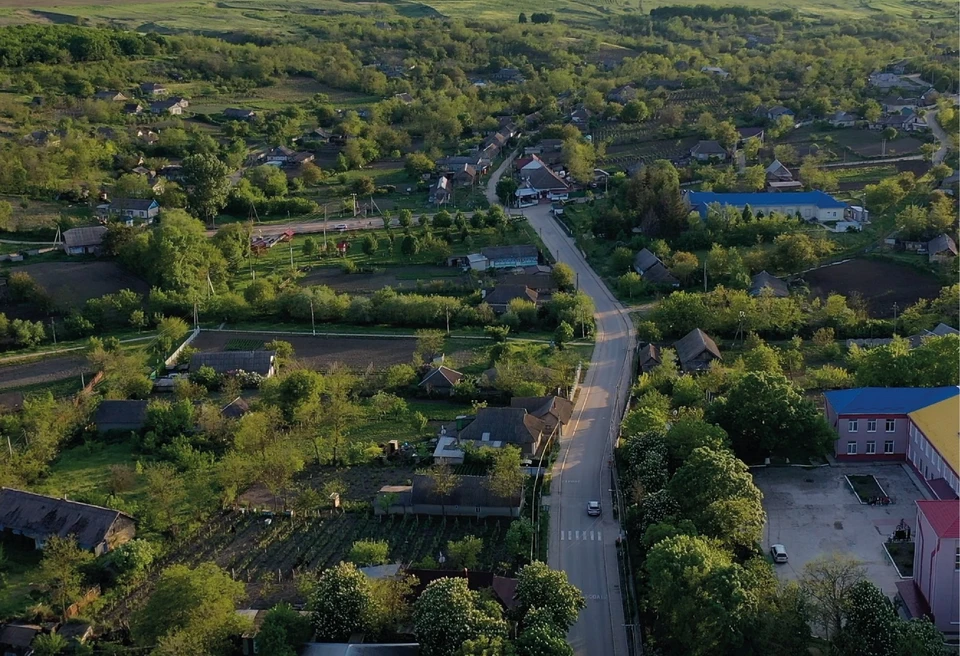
(320, 352)
(71, 284)
(812, 513)
(397, 277)
(879, 283)
(41, 372)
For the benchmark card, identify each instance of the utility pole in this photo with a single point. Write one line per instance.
(578, 281)
(291, 255)
(53, 327)
(895, 308)
(704, 275)
(312, 324)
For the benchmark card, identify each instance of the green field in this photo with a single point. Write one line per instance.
(286, 17)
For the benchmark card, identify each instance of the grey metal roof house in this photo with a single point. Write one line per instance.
(649, 358)
(40, 517)
(653, 270)
(696, 350)
(83, 241)
(765, 281)
(120, 415)
(513, 426)
(499, 299)
(258, 362)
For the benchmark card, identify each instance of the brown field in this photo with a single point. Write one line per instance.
(71, 284)
(47, 370)
(881, 284)
(320, 352)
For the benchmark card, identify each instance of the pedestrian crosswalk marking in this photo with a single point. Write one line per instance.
(595, 536)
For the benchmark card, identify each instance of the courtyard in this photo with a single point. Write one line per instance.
(813, 512)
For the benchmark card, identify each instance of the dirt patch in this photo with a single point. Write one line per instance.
(321, 352)
(395, 277)
(881, 284)
(48, 370)
(71, 284)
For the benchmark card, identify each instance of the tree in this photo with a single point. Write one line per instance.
(519, 539)
(828, 580)
(6, 214)
(283, 631)
(563, 334)
(447, 614)
(683, 265)
(506, 190)
(340, 602)
(418, 164)
(405, 218)
(389, 605)
(363, 185)
(311, 174)
(563, 276)
(49, 644)
(765, 415)
(871, 626)
(370, 244)
(410, 245)
(635, 111)
(444, 481)
(704, 487)
(208, 185)
(465, 553)
(523, 18)
(920, 637)
(364, 553)
(506, 476)
(197, 603)
(541, 637)
(170, 332)
(60, 570)
(538, 586)
(271, 180)
(701, 596)
(580, 158)
(131, 185)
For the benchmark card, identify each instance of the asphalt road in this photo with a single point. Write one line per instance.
(585, 547)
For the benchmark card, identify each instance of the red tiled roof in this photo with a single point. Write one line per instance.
(944, 517)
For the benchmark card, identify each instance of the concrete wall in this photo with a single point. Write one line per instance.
(935, 572)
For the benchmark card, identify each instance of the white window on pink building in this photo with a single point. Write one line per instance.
(891, 425)
(851, 448)
(871, 425)
(888, 446)
(871, 447)
(853, 425)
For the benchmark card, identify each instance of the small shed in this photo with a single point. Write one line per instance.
(15, 639)
(764, 282)
(441, 380)
(649, 358)
(83, 241)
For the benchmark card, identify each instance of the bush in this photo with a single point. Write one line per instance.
(364, 553)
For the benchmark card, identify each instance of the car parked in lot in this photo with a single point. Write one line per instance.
(593, 508)
(779, 553)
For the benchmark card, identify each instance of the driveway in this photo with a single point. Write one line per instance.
(582, 546)
(814, 512)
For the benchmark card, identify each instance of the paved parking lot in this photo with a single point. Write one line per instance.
(814, 512)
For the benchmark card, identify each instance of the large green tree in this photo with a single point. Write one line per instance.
(208, 185)
(700, 596)
(765, 415)
(191, 606)
(341, 602)
(538, 586)
(447, 614)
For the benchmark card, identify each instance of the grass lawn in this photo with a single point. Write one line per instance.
(20, 575)
(85, 470)
(902, 555)
(865, 486)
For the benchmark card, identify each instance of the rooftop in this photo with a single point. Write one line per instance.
(764, 280)
(121, 412)
(943, 516)
(886, 400)
(518, 251)
(442, 376)
(504, 293)
(510, 425)
(940, 423)
(87, 236)
(40, 515)
(818, 198)
(259, 362)
(693, 344)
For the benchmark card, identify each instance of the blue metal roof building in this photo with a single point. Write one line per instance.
(810, 204)
(886, 400)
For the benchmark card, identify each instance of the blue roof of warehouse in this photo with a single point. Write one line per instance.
(818, 198)
(887, 400)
